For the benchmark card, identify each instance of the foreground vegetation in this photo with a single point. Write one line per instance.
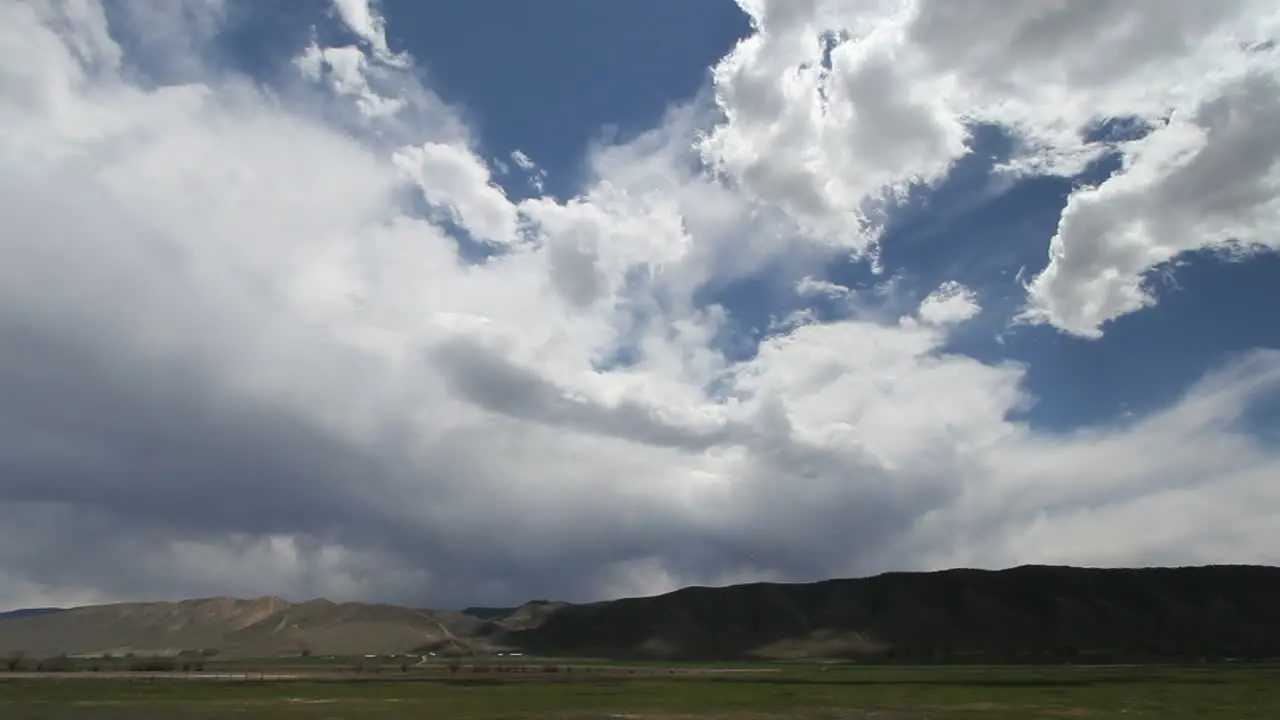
(894, 693)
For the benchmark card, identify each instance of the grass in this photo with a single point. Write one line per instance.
(852, 692)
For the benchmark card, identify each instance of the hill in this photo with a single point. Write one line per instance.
(1031, 613)
(1025, 613)
(530, 614)
(267, 626)
(27, 612)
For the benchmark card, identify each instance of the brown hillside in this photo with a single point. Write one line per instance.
(261, 627)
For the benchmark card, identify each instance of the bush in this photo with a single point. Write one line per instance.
(61, 663)
(154, 664)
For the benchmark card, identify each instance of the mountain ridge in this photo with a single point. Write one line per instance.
(1026, 613)
(1017, 613)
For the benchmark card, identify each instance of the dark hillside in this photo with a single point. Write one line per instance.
(1023, 614)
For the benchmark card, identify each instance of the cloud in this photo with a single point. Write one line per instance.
(348, 69)
(363, 21)
(812, 287)
(237, 359)
(950, 304)
(522, 160)
(455, 178)
(1208, 178)
(835, 109)
(537, 176)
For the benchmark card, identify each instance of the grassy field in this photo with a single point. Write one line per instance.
(654, 693)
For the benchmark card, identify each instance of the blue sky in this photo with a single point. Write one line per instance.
(463, 303)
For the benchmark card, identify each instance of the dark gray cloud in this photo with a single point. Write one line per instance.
(494, 383)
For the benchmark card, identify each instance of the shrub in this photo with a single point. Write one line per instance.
(61, 663)
(154, 664)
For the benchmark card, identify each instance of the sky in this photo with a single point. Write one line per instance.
(460, 303)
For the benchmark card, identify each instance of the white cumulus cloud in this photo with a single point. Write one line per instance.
(951, 303)
(835, 108)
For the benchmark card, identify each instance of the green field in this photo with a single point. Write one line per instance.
(653, 693)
